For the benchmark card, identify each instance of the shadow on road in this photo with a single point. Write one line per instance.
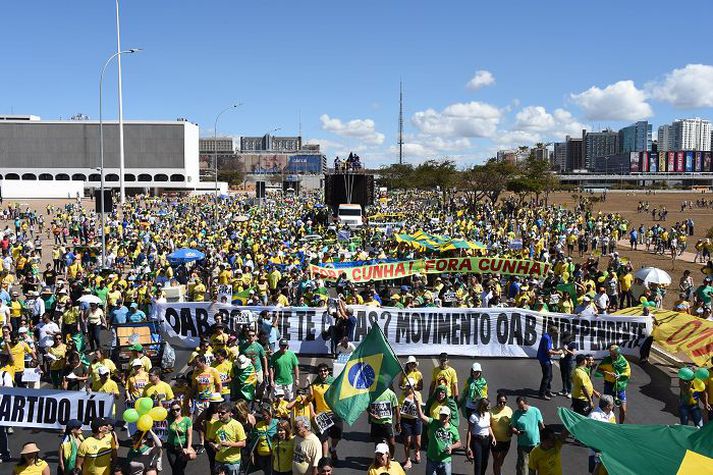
(659, 380)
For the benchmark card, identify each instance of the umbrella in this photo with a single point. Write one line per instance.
(241, 218)
(181, 256)
(90, 299)
(653, 275)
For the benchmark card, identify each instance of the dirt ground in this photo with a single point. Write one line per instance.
(624, 203)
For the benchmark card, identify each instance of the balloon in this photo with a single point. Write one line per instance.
(699, 386)
(143, 405)
(643, 300)
(158, 414)
(685, 374)
(702, 374)
(131, 415)
(145, 423)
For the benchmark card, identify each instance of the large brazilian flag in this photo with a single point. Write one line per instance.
(630, 449)
(369, 371)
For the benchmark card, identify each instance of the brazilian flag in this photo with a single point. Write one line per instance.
(631, 449)
(369, 371)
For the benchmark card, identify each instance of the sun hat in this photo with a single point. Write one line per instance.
(30, 448)
(444, 410)
(412, 359)
(216, 397)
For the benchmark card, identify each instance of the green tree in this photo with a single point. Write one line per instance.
(396, 176)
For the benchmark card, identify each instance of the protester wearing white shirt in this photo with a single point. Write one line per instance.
(603, 413)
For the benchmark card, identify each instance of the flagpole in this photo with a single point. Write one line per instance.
(396, 358)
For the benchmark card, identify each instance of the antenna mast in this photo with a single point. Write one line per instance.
(401, 124)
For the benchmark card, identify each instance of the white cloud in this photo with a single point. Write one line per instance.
(470, 119)
(363, 129)
(426, 146)
(618, 101)
(690, 86)
(481, 78)
(535, 124)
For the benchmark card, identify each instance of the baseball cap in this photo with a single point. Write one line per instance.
(284, 342)
(104, 370)
(444, 410)
(137, 362)
(412, 359)
(476, 367)
(381, 448)
(137, 347)
(134, 305)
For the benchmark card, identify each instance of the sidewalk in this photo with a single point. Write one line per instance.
(623, 244)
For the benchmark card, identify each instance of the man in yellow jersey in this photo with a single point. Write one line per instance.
(227, 439)
(443, 374)
(97, 453)
(225, 370)
(321, 409)
(158, 390)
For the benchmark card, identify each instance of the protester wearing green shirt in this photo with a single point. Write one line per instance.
(179, 440)
(443, 439)
(526, 424)
(284, 369)
(256, 353)
(382, 411)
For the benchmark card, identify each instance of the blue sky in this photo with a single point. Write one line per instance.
(477, 76)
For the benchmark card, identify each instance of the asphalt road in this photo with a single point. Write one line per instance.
(652, 400)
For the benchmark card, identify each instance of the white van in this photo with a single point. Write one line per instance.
(351, 215)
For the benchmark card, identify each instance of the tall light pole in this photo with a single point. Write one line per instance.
(122, 191)
(215, 145)
(101, 143)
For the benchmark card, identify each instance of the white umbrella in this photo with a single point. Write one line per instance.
(653, 275)
(90, 299)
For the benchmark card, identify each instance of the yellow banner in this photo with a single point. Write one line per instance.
(680, 332)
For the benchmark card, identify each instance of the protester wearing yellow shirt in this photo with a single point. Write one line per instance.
(227, 439)
(158, 390)
(546, 458)
(582, 388)
(225, 370)
(137, 381)
(96, 455)
(445, 375)
(104, 383)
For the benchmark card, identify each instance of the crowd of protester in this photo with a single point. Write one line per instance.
(243, 401)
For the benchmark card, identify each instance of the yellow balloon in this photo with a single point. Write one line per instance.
(158, 414)
(145, 423)
(699, 386)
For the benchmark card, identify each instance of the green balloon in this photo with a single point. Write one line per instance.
(145, 405)
(686, 374)
(131, 415)
(702, 374)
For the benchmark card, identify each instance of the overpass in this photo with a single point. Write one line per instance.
(640, 179)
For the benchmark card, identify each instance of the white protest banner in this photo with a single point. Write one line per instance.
(497, 332)
(51, 408)
(324, 421)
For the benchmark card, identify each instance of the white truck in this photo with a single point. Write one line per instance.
(350, 214)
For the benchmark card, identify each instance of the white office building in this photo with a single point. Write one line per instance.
(691, 134)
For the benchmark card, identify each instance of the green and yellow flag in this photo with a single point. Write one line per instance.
(631, 449)
(369, 371)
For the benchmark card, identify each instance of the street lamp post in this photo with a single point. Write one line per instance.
(101, 144)
(215, 145)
